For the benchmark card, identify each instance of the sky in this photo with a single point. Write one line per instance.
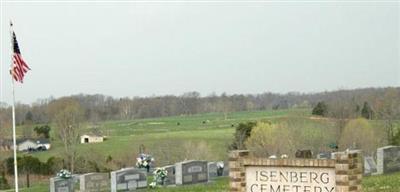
(127, 49)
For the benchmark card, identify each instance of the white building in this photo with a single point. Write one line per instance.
(33, 144)
(43, 144)
(26, 144)
(91, 138)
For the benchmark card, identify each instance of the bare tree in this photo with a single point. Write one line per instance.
(125, 108)
(388, 109)
(68, 120)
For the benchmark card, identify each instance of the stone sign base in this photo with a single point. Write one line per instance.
(341, 174)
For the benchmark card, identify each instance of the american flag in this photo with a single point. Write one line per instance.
(19, 67)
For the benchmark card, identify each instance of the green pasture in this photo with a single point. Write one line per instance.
(201, 136)
(167, 133)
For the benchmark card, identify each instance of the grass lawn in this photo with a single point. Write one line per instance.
(157, 134)
(387, 183)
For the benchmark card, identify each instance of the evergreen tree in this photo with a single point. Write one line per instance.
(366, 111)
(320, 109)
(43, 131)
(242, 132)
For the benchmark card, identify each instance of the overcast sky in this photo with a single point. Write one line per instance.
(144, 49)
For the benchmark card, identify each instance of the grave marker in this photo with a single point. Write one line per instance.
(94, 182)
(170, 179)
(191, 172)
(128, 179)
(216, 169)
(58, 184)
(369, 165)
(388, 159)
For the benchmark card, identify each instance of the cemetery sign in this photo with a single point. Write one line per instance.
(250, 174)
(271, 179)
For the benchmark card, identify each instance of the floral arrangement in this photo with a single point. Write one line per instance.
(220, 164)
(159, 176)
(220, 168)
(65, 174)
(144, 161)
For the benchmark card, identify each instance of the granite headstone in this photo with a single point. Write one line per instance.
(128, 179)
(170, 179)
(369, 165)
(225, 172)
(305, 154)
(212, 170)
(388, 159)
(324, 155)
(58, 184)
(94, 182)
(191, 172)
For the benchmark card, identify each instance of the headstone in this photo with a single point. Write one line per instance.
(128, 179)
(324, 155)
(94, 182)
(212, 170)
(191, 172)
(369, 165)
(225, 172)
(388, 159)
(58, 184)
(170, 179)
(305, 154)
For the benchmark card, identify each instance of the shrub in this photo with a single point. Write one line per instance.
(359, 134)
(320, 109)
(242, 132)
(267, 139)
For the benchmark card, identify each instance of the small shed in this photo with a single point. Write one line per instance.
(92, 138)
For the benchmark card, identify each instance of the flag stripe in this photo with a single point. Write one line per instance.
(19, 67)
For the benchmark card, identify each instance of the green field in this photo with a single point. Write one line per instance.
(203, 136)
(160, 134)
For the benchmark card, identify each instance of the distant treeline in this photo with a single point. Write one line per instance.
(340, 104)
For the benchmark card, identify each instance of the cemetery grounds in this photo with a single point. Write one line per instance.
(170, 139)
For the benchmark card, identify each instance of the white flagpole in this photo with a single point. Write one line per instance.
(13, 115)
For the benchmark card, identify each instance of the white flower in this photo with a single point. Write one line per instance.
(220, 164)
(153, 184)
(64, 174)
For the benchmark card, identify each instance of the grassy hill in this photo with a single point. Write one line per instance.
(172, 139)
(161, 134)
(202, 136)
